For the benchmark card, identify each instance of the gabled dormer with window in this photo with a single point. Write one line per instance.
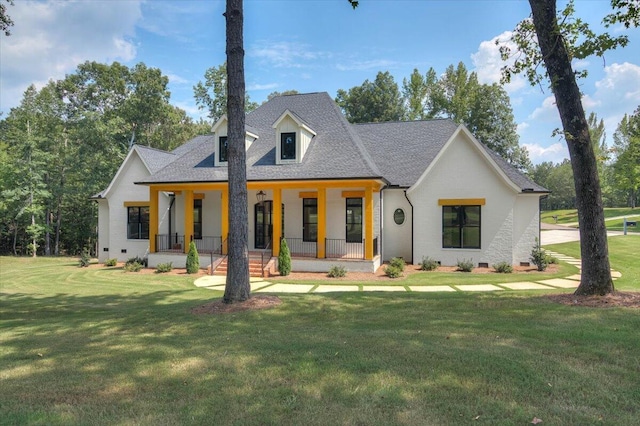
(293, 137)
(220, 130)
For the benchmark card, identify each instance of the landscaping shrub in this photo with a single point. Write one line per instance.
(284, 259)
(164, 267)
(137, 259)
(428, 264)
(111, 262)
(392, 271)
(85, 259)
(539, 257)
(337, 272)
(503, 267)
(465, 265)
(134, 266)
(398, 262)
(193, 260)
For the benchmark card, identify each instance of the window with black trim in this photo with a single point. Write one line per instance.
(138, 223)
(197, 219)
(288, 146)
(354, 220)
(310, 219)
(461, 227)
(222, 149)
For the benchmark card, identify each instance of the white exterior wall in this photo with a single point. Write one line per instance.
(103, 230)
(123, 189)
(526, 226)
(462, 172)
(396, 239)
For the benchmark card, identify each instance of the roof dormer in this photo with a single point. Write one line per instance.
(293, 137)
(220, 130)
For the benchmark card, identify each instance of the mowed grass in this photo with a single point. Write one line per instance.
(571, 217)
(100, 346)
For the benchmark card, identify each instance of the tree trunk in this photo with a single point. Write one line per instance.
(237, 287)
(596, 273)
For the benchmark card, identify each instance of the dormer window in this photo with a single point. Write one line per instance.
(293, 137)
(222, 148)
(288, 146)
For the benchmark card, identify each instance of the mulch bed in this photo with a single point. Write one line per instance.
(254, 303)
(618, 299)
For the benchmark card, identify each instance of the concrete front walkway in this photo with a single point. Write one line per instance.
(258, 285)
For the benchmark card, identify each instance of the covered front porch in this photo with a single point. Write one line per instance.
(335, 221)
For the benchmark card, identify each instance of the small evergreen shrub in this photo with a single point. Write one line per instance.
(465, 265)
(85, 259)
(164, 267)
(284, 259)
(428, 264)
(111, 262)
(133, 266)
(337, 271)
(392, 271)
(503, 267)
(193, 260)
(552, 260)
(539, 257)
(398, 262)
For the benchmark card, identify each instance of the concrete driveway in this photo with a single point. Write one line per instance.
(554, 234)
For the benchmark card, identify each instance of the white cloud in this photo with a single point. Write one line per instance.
(49, 39)
(176, 79)
(287, 54)
(268, 86)
(376, 64)
(554, 153)
(488, 62)
(547, 112)
(617, 93)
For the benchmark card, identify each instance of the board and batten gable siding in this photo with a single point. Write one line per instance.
(124, 190)
(462, 171)
(396, 238)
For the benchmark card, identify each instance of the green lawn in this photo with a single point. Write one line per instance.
(571, 216)
(100, 346)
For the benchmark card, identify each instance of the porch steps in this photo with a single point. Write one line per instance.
(255, 267)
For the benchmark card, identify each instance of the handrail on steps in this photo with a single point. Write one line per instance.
(223, 258)
(262, 257)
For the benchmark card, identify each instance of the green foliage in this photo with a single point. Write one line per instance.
(465, 265)
(111, 262)
(212, 93)
(164, 267)
(193, 260)
(428, 264)
(398, 262)
(539, 257)
(284, 259)
(133, 266)
(503, 267)
(372, 102)
(392, 271)
(85, 259)
(140, 260)
(337, 271)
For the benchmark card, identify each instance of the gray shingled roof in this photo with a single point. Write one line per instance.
(397, 152)
(155, 159)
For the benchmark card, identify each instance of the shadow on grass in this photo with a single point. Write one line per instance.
(317, 359)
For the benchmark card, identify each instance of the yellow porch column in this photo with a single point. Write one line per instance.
(322, 221)
(368, 221)
(153, 218)
(276, 216)
(224, 217)
(188, 218)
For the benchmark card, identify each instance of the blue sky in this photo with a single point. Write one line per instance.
(309, 46)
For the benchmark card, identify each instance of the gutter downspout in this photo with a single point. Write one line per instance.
(412, 222)
(380, 222)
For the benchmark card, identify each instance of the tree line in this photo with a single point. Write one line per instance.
(618, 167)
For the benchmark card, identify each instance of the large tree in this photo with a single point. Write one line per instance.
(237, 288)
(626, 167)
(553, 40)
(5, 19)
(373, 101)
(212, 93)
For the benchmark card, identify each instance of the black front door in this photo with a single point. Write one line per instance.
(263, 224)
